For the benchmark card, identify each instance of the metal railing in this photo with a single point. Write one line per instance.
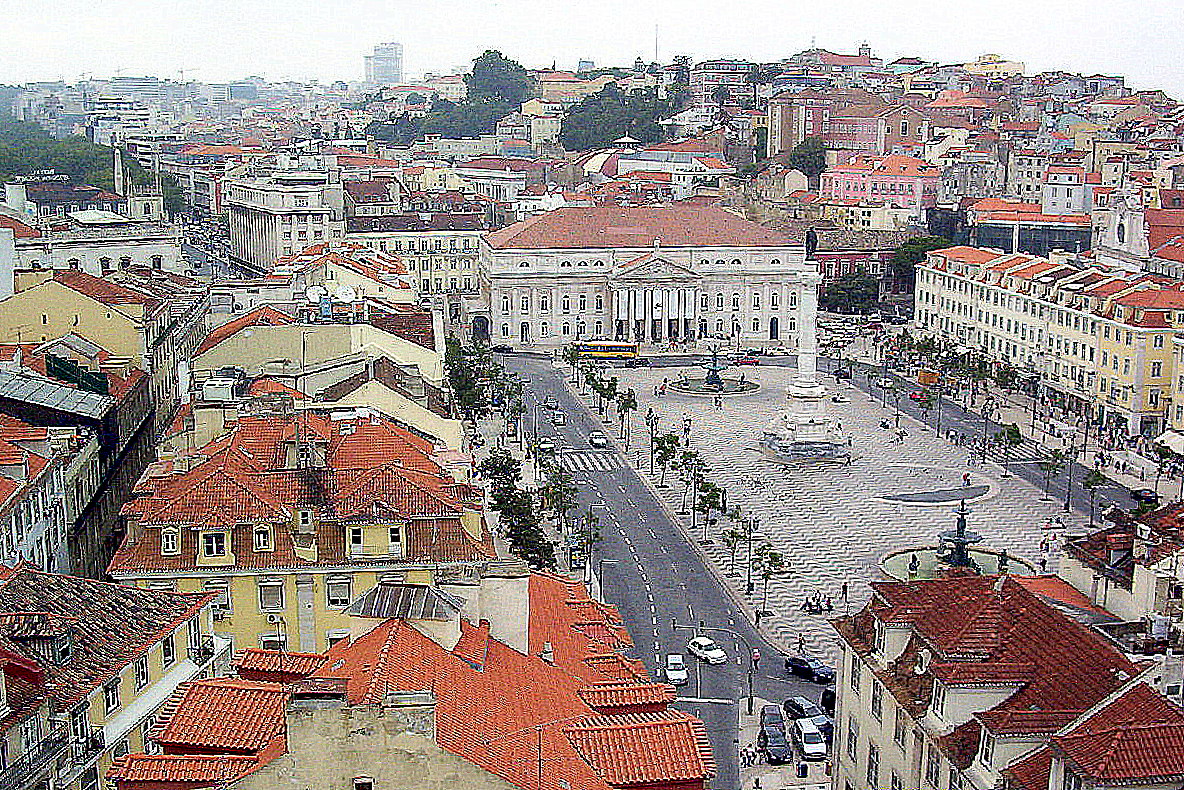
(29, 765)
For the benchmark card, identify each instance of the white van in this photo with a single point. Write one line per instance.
(809, 740)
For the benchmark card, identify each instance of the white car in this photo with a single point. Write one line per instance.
(707, 650)
(676, 670)
(598, 440)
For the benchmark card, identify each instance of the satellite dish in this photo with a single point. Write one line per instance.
(315, 293)
(345, 293)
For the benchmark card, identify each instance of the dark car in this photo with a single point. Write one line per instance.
(636, 362)
(775, 746)
(842, 373)
(771, 717)
(802, 708)
(1145, 496)
(810, 668)
(502, 348)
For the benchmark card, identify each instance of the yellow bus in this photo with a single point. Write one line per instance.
(606, 349)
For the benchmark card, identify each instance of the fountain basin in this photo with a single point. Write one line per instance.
(700, 386)
(930, 565)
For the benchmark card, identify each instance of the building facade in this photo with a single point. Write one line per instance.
(656, 274)
(283, 214)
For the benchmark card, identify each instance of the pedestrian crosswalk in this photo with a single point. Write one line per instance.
(1026, 453)
(584, 461)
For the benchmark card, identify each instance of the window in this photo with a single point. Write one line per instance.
(775, 300)
(756, 301)
(938, 704)
(1157, 341)
(221, 589)
(355, 537)
(852, 737)
(272, 641)
(262, 538)
(986, 750)
(735, 301)
(213, 544)
(703, 302)
(338, 591)
(877, 703)
(111, 696)
(855, 669)
(90, 779)
(363, 783)
(873, 765)
(1156, 369)
(933, 766)
(168, 650)
(170, 541)
(900, 731)
(141, 672)
(271, 596)
(336, 635)
(719, 301)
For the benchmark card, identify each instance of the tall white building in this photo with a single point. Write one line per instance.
(385, 65)
(282, 214)
(651, 274)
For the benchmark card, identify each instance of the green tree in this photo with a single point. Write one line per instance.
(471, 372)
(809, 156)
(503, 473)
(497, 79)
(732, 538)
(1051, 467)
(710, 497)
(1007, 439)
(560, 495)
(626, 402)
(665, 451)
(912, 252)
(1092, 482)
(599, 119)
(520, 525)
(721, 95)
(587, 535)
(766, 562)
(855, 292)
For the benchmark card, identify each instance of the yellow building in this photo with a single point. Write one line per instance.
(88, 666)
(289, 518)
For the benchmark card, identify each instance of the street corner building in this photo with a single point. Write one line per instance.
(539, 699)
(986, 682)
(651, 274)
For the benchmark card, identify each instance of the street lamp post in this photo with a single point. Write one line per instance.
(651, 421)
(754, 524)
(675, 625)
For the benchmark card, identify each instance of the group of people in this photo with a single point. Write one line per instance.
(750, 755)
(817, 603)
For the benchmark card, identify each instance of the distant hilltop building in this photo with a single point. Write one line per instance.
(385, 65)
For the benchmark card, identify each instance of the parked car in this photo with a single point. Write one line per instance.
(550, 403)
(837, 398)
(1145, 496)
(598, 440)
(502, 348)
(546, 446)
(916, 395)
(636, 362)
(705, 649)
(810, 668)
(771, 716)
(802, 708)
(773, 743)
(842, 373)
(809, 740)
(676, 670)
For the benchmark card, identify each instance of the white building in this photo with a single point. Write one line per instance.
(651, 274)
(282, 214)
(100, 242)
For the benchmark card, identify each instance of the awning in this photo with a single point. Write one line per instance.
(1173, 440)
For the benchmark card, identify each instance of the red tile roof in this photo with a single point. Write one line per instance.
(622, 695)
(103, 290)
(1031, 772)
(19, 229)
(264, 315)
(181, 770)
(256, 661)
(235, 716)
(1138, 737)
(598, 227)
(644, 748)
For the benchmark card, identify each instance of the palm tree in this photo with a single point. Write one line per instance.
(732, 538)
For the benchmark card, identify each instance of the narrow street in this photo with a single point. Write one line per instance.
(655, 577)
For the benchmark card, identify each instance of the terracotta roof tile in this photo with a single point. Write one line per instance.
(644, 748)
(622, 695)
(235, 716)
(179, 770)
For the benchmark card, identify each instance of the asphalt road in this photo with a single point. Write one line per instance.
(656, 577)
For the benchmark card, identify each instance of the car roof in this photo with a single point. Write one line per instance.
(806, 725)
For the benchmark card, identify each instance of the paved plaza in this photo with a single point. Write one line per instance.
(834, 522)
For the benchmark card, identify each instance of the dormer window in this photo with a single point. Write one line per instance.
(170, 541)
(986, 749)
(263, 538)
(938, 703)
(213, 544)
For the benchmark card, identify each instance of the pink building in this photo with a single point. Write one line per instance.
(894, 180)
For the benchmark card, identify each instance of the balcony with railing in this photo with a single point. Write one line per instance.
(28, 769)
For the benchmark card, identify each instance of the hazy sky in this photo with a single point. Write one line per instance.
(217, 40)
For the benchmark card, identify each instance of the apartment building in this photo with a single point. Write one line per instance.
(440, 250)
(1094, 340)
(87, 667)
(946, 684)
(289, 517)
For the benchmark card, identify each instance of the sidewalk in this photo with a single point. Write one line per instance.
(773, 777)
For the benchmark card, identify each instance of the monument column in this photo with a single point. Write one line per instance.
(808, 331)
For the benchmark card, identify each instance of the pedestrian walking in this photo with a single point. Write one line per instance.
(966, 479)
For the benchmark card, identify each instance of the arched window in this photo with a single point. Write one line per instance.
(524, 265)
(544, 303)
(775, 300)
(505, 330)
(1121, 232)
(581, 328)
(756, 325)
(525, 303)
(565, 264)
(544, 329)
(583, 302)
(74, 263)
(126, 261)
(505, 303)
(582, 263)
(719, 301)
(736, 262)
(599, 263)
(599, 328)
(170, 541)
(775, 262)
(599, 302)
(719, 326)
(565, 329)
(703, 300)
(735, 301)
(565, 304)
(756, 300)
(105, 264)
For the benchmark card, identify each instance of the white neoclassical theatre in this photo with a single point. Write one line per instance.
(652, 274)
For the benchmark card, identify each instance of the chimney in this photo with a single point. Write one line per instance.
(548, 653)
